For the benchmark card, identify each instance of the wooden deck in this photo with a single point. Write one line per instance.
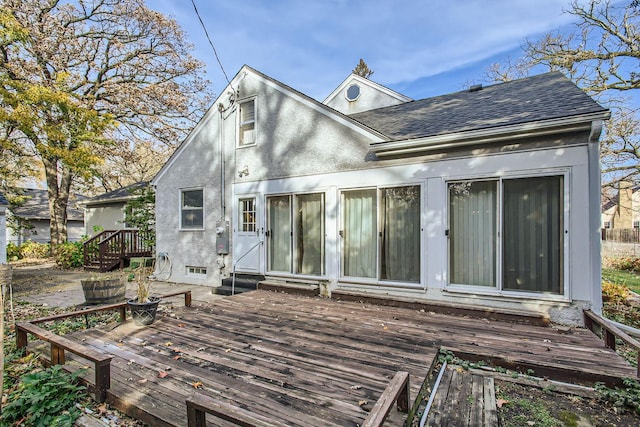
(308, 361)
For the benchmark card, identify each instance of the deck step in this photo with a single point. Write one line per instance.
(309, 289)
(243, 283)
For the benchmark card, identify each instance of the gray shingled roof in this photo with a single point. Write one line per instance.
(36, 206)
(542, 97)
(120, 194)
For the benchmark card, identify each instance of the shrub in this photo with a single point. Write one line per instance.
(70, 255)
(13, 252)
(625, 263)
(615, 293)
(30, 249)
(44, 398)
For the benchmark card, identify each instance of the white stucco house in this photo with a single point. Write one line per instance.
(488, 197)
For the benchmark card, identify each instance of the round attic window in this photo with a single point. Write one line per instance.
(352, 93)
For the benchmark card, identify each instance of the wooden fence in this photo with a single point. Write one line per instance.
(621, 235)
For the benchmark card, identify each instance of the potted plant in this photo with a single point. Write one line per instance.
(144, 306)
(105, 289)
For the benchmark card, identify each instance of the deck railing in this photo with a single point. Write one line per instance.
(609, 332)
(111, 247)
(199, 405)
(396, 392)
(59, 344)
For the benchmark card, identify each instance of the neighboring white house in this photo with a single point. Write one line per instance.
(4, 205)
(35, 211)
(107, 211)
(488, 197)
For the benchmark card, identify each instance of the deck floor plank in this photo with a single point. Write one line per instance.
(311, 361)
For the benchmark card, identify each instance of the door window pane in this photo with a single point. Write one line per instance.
(248, 215)
(310, 234)
(533, 233)
(359, 231)
(472, 233)
(400, 245)
(279, 249)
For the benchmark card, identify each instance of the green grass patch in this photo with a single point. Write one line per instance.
(622, 277)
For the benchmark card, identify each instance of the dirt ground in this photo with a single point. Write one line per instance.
(529, 406)
(32, 278)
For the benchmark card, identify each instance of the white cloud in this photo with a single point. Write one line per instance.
(312, 45)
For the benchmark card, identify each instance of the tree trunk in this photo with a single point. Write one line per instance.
(58, 178)
(5, 282)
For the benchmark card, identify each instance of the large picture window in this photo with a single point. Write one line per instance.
(192, 209)
(528, 253)
(381, 234)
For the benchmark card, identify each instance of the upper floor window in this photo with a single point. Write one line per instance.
(247, 123)
(192, 209)
(607, 224)
(636, 224)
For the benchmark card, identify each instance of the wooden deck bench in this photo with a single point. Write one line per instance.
(101, 362)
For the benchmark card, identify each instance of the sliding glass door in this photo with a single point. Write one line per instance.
(528, 253)
(381, 234)
(295, 233)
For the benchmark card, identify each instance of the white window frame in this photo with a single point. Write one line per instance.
(384, 283)
(241, 213)
(497, 290)
(194, 271)
(241, 123)
(181, 209)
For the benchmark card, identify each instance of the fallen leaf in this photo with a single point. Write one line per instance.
(142, 381)
(168, 343)
(180, 325)
(531, 423)
(102, 409)
(355, 387)
(362, 402)
(500, 402)
(197, 384)
(201, 349)
(120, 344)
(176, 357)
(130, 362)
(176, 350)
(162, 374)
(227, 350)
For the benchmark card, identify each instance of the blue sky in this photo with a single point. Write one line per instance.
(419, 48)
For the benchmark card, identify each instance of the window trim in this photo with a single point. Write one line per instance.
(498, 290)
(181, 209)
(377, 281)
(240, 123)
(241, 212)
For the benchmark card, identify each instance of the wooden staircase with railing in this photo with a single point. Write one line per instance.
(111, 249)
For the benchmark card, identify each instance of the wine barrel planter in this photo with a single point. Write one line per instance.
(104, 291)
(143, 313)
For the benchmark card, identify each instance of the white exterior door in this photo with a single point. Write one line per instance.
(247, 238)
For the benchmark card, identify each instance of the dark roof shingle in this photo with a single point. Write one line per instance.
(542, 97)
(36, 206)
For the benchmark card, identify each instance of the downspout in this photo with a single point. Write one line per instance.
(593, 149)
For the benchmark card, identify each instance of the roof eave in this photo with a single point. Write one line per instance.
(490, 135)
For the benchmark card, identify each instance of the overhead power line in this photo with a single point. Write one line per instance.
(215, 52)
